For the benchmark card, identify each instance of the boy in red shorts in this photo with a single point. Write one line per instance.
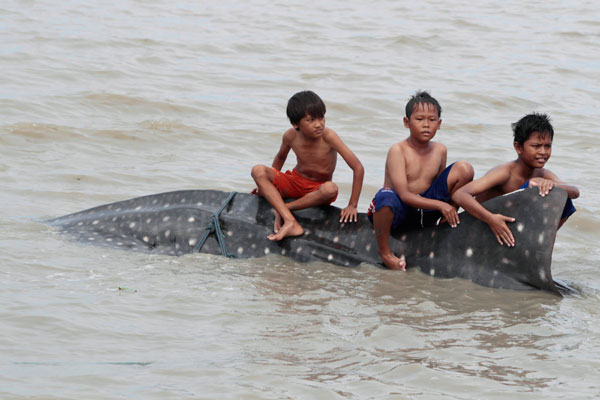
(316, 148)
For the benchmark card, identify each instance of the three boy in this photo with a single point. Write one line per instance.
(419, 189)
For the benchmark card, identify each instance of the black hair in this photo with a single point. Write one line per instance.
(422, 98)
(303, 103)
(529, 124)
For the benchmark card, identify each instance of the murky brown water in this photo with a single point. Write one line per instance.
(103, 102)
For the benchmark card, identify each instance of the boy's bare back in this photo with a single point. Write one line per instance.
(508, 177)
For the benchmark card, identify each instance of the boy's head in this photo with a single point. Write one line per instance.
(422, 99)
(526, 126)
(305, 103)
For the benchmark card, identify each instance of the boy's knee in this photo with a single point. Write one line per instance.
(329, 190)
(464, 170)
(258, 171)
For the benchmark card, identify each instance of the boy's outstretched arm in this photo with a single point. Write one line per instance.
(349, 213)
(464, 197)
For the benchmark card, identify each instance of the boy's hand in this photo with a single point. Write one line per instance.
(503, 234)
(545, 185)
(349, 214)
(450, 214)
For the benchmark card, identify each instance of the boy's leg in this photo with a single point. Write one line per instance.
(325, 194)
(264, 177)
(382, 223)
(460, 174)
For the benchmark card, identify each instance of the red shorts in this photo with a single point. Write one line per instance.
(292, 185)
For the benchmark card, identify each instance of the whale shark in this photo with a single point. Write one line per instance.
(237, 224)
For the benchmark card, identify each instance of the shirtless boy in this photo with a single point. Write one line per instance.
(533, 142)
(316, 148)
(417, 186)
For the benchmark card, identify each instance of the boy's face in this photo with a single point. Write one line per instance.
(423, 122)
(536, 150)
(311, 127)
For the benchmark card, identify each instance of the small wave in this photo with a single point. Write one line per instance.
(41, 131)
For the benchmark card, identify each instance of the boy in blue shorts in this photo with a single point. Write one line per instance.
(418, 186)
(533, 143)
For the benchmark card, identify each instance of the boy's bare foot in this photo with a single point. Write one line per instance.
(277, 222)
(393, 262)
(287, 229)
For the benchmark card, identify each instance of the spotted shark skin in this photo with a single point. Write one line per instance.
(173, 223)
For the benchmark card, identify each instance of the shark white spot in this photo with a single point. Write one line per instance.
(138, 208)
(229, 233)
(192, 241)
(336, 239)
(520, 227)
(542, 274)
(541, 238)
(132, 225)
(431, 254)
(167, 233)
(368, 247)
(191, 219)
(432, 272)
(240, 250)
(267, 251)
(95, 222)
(469, 252)
(165, 218)
(330, 257)
(145, 239)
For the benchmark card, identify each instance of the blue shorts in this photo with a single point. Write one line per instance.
(409, 217)
(569, 207)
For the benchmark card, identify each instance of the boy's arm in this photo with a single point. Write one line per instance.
(349, 213)
(465, 197)
(284, 149)
(396, 170)
(549, 180)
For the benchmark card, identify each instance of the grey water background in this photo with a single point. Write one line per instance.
(101, 102)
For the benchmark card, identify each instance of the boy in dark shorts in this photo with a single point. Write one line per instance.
(418, 186)
(533, 143)
(316, 148)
